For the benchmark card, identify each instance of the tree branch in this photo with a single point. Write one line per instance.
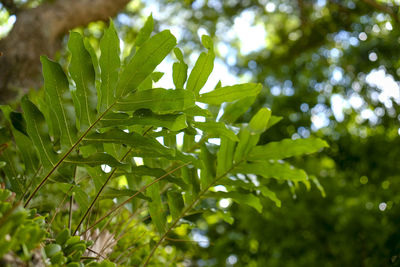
(38, 31)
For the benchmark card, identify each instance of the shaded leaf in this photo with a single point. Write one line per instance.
(94, 160)
(175, 203)
(240, 198)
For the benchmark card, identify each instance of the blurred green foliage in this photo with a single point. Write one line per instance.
(315, 64)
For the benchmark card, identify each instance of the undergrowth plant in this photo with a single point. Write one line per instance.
(97, 154)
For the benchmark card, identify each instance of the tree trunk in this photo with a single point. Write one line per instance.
(39, 31)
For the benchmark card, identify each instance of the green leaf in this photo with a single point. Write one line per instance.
(143, 63)
(280, 171)
(144, 33)
(39, 133)
(273, 120)
(110, 193)
(81, 198)
(94, 160)
(286, 148)
(109, 65)
(217, 129)
(139, 171)
(202, 69)
(234, 110)
(225, 155)
(179, 70)
(59, 102)
(157, 100)
(230, 93)
(240, 198)
(156, 208)
(270, 194)
(175, 203)
(208, 170)
(174, 122)
(140, 145)
(82, 72)
(250, 135)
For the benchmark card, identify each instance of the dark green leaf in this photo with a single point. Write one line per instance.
(94, 160)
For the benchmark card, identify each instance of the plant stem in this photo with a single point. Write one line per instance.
(186, 210)
(61, 160)
(98, 193)
(134, 195)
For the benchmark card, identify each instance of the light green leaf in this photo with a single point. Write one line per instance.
(109, 65)
(197, 111)
(201, 70)
(60, 102)
(225, 155)
(157, 100)
(217, 129)
(277, 170)
(208, 170)
(175, 203)
(39, 133)
(230, 93)
(250, 135)
(156, 208)
(144, 33)
(234, 110)
(83, 74)
(179, 70)
(143, 63)
(286, 148)
(94, 160)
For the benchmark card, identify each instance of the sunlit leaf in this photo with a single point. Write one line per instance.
(286, 148)
(83, 74)
(143, 63)
(280, 171)
(109, 65)
(230, 93)
(157, 100)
